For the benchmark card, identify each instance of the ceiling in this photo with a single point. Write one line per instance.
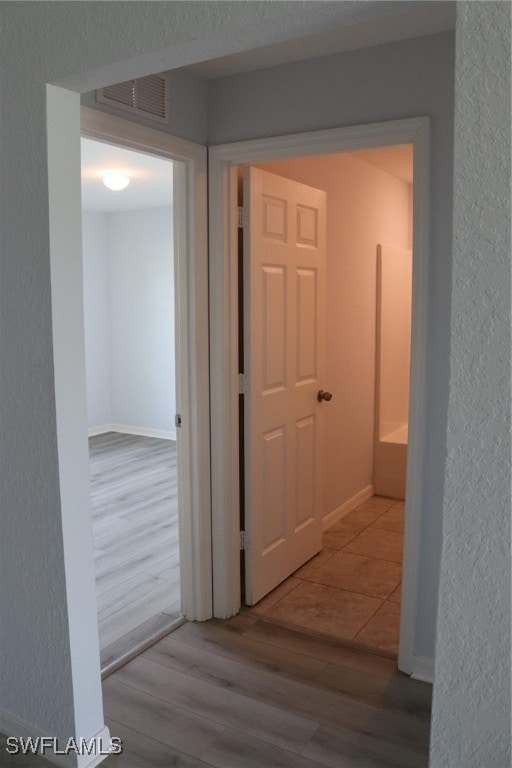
(150, 179)
(382, 22)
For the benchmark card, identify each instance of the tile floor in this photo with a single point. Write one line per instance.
(350, 591)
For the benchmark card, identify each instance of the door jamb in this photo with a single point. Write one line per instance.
(191, 297)
(223, 160)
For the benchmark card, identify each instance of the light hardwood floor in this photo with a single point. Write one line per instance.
(134, 503)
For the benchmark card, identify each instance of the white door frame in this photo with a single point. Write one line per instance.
(223, 160)
(192, 364)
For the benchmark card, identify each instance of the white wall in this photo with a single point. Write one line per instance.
(406, 79)
(471, 725)
(129, 320)
(394, 337)
(365, 206)
(141, 276)
(97, 317)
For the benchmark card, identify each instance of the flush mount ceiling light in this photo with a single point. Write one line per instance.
(116, 181)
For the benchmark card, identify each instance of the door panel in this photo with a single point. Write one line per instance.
(284, 255)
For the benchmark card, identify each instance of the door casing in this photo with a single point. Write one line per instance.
(223, 160)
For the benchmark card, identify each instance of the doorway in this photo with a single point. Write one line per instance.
(129, 322)
(191, 429)
(223, 162)
(350, 590)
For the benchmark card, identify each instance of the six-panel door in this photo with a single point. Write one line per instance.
(284, 269)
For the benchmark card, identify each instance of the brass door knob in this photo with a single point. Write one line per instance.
(324, 396)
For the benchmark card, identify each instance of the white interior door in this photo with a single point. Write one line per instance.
(284, 300)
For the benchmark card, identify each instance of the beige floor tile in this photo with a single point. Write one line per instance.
(396, 595)
(340, 534)
(322, 557)
(280, 591)
(382, 631)
(385, 501)
(374, 542)
(367, 512)
(326, 610)
(358, 573)
(392, 520)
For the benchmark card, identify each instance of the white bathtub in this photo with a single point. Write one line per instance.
(391, 460)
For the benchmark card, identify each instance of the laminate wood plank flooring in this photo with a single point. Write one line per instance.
(243, 693)
(285, 700)
(350, 590)
(134, 501)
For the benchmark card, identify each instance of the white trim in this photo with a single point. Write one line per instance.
(224, 356)
(100, 430)
(13, 726)
(340, 512)
(126, 429)
(423, 669)
(192, 363)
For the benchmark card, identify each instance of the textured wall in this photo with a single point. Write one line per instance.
(471, 715)
(406, 79)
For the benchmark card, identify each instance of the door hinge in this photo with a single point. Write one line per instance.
(241, 217)
(243, 540)
(177, 420)
(242, 384)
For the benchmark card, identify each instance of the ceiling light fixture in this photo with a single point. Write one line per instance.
(116, 181)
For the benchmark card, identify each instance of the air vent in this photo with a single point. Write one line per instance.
(147, 97)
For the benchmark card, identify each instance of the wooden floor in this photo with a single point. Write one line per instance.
(248, 694)
(242, 693)
(134, 503)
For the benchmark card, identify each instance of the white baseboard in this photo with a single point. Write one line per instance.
(423, 669)
(347, 506)
(12, 726)
(101, 430)
(126, 429)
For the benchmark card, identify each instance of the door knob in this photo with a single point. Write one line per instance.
(324, 396)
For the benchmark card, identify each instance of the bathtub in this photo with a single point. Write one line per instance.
(390, 463)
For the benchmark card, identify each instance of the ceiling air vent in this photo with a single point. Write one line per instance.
(147, 97)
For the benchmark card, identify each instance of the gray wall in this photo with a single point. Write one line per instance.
(471, 714)
(406, 79)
